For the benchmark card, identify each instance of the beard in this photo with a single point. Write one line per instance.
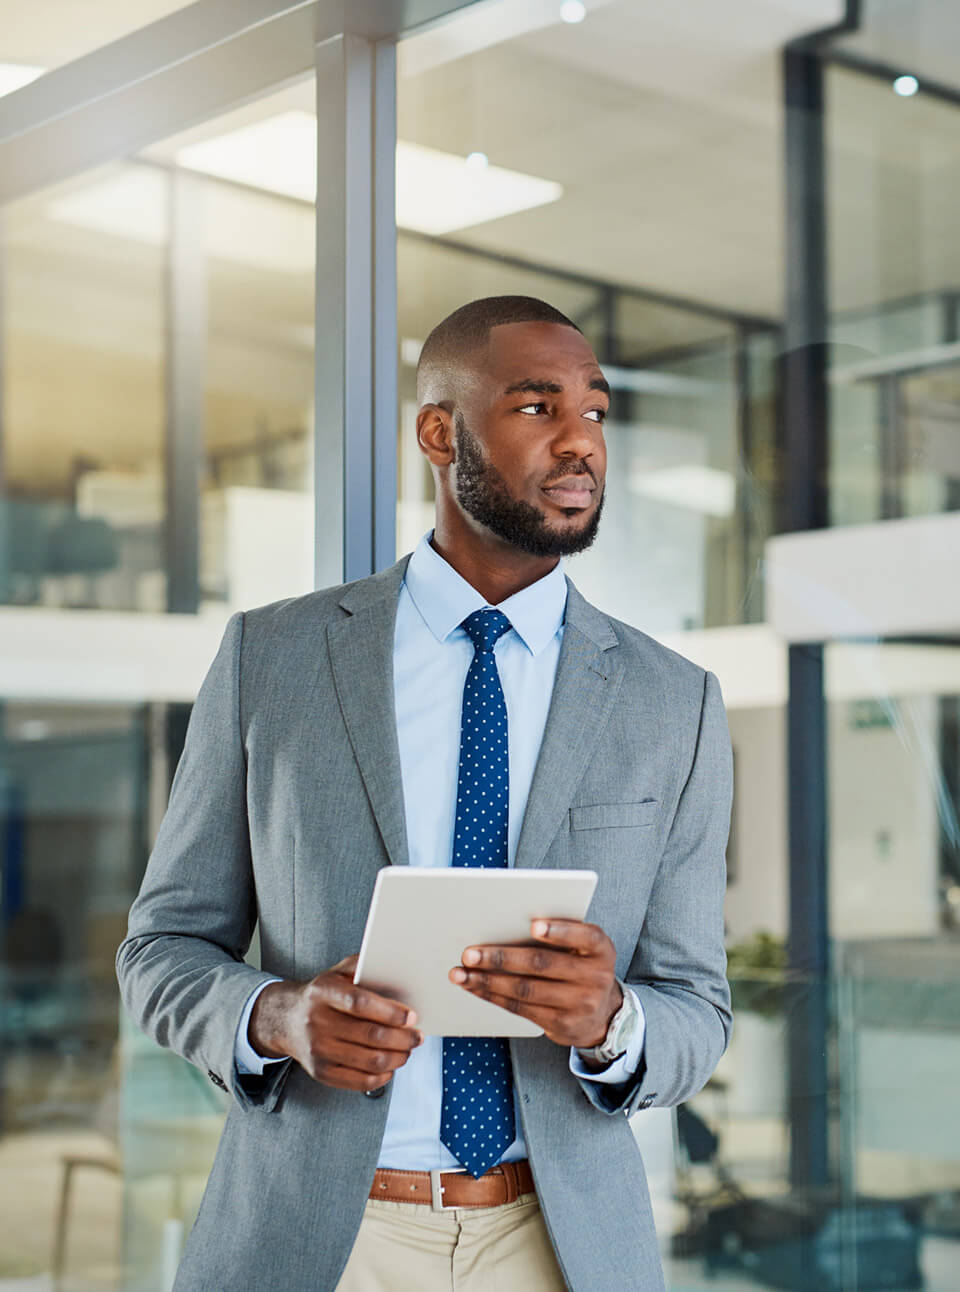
(483, 494)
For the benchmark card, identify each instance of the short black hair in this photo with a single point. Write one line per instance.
(464, 331)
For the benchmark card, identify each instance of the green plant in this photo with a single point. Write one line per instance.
(756, 970)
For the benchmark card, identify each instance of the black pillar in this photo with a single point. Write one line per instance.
(186, 343)
(804, 506)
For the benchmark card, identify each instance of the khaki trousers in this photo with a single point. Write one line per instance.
(409, 1247)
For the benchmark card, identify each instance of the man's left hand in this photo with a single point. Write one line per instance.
(566, 983)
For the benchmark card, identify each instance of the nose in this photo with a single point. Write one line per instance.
(576, 437)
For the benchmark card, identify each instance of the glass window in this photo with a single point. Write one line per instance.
(565, 209)
(156, 436)
(628, 168)
(894, 269)
(73, 834)
(83, 416)
(894, 849)
(158, 335)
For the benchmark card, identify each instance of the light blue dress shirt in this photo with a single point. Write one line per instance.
(431, 656)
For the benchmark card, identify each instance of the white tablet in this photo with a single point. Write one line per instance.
(421, 920)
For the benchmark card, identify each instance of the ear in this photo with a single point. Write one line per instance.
(435, 434)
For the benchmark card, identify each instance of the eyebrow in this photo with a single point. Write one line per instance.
(535, 386)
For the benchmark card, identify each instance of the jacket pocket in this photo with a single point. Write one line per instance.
(597, 816)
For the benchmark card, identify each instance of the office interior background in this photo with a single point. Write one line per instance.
(225, 230)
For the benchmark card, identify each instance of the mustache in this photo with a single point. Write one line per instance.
(579, 469)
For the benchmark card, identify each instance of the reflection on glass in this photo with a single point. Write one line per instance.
(82, 508)
(72, 802)
(689, 496)
(894, 773)
(663, 244)
(894, 872)
(888, 1212)
(153, 318)
(256, 522)
(105, 329)
(171, 1118)
(894, 270)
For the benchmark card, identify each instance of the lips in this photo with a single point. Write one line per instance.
(571, 491)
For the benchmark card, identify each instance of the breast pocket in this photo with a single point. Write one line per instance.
(598, 816)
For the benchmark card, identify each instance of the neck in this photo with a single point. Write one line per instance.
(496, 569)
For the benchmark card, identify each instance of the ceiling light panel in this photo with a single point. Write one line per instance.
(438, 192)
(278, 154)
(13, 76)
(131, 203)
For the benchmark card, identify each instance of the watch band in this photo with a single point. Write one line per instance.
(621, 1028)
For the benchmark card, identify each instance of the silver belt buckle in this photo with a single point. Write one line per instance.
(436, 1188)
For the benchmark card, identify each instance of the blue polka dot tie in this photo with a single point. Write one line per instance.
(476, 1117)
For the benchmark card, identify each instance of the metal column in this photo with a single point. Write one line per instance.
(356, 361)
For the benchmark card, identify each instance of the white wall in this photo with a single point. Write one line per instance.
(757, 894)
(830, 583)
(884, 862)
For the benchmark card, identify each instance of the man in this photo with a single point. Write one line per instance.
(343, 731)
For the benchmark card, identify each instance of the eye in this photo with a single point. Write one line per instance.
(601, 414)
(526, 407)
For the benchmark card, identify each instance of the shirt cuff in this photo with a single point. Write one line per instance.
(626, 1065)
(249, 1062)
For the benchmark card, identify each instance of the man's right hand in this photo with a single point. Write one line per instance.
(341, 1035)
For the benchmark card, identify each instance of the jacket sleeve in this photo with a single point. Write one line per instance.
(181, 970)
(678, 969)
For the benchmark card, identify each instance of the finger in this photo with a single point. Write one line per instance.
(349, 1079)
(533, 962)
(357, 1057)
(543, 1015)
(348, 966)
(376, 1036)
(361, 1002)
(530, 991)
(575, 935)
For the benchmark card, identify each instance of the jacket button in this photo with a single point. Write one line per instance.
(376, 1094)
(217, 1081)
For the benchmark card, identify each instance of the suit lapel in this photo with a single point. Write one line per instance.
(588, 678)
(361, 657)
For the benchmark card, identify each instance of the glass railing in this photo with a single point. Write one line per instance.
(886, 1212)
(107, 1141)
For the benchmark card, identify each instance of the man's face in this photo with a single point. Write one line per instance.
(530, 453)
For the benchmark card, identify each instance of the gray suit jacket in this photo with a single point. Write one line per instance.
(287, 801)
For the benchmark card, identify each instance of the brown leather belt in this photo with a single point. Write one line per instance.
(444, 1190)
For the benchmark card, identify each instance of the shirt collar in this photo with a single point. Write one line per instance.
(444, 599)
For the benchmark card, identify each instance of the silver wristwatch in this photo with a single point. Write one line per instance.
(621, 1029)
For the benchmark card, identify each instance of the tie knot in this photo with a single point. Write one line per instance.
(485, 628)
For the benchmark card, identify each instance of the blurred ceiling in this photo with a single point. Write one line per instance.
(49, 33)
(663, 125)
